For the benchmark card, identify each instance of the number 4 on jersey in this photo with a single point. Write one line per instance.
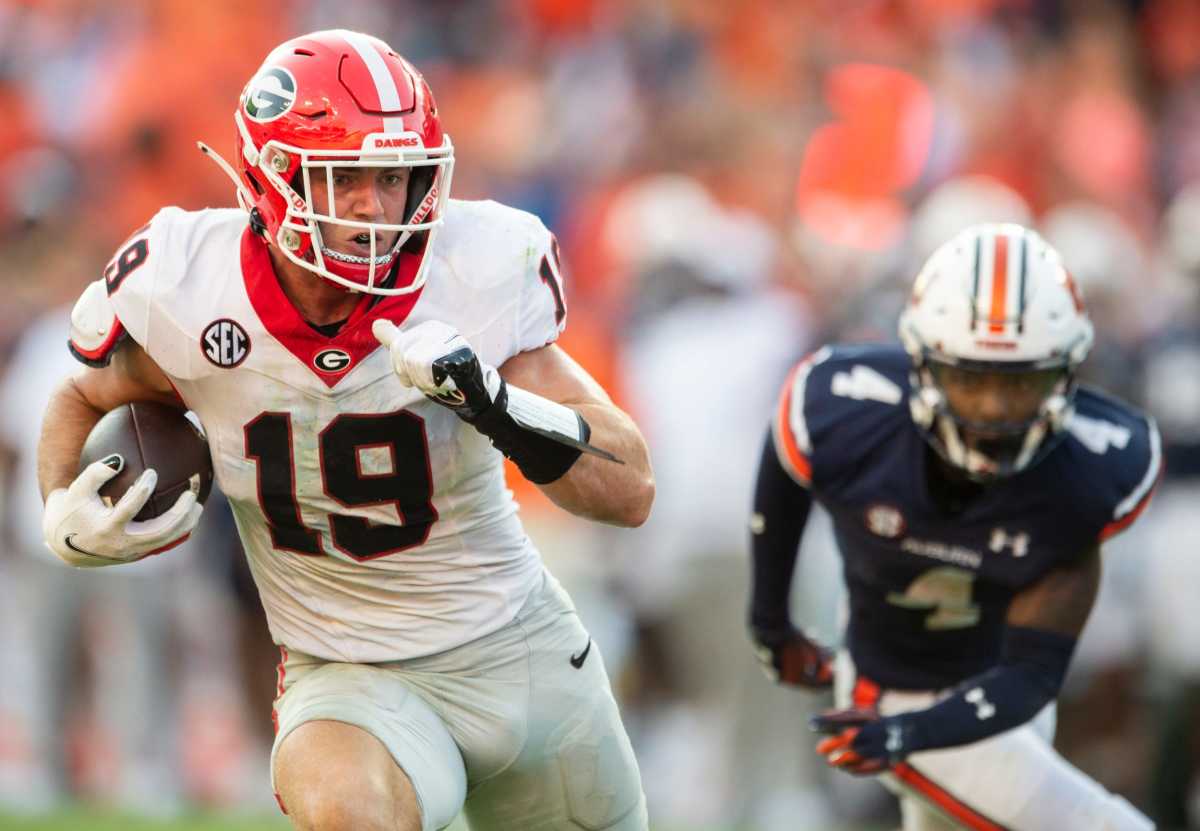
(944, 592)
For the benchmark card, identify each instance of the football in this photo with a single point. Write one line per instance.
(147, 435)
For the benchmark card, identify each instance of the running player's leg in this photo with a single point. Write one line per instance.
(1015, 780)
(357, 749)
(576, 769)
(332, 775)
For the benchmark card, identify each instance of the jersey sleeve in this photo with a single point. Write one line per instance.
(543, 308)
(99, 321)
(789, 427)
(1138, 473)
(95, 329)
(138, 297)
(133, 277)
(839, 405)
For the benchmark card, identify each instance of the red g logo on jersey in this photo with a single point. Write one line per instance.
(332, 360)
(225, 343)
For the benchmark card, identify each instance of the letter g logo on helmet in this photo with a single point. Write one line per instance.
(270, 94)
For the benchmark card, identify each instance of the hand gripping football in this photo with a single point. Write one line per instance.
(142, 435)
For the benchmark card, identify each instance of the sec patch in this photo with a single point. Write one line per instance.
(225, 343)
(884, 520)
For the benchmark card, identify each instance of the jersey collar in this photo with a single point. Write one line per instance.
(281, 319)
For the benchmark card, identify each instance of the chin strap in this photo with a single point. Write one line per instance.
(244, 199)
(929, 410)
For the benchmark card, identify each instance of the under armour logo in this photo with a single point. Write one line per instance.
(1001, 539)
(984, 709)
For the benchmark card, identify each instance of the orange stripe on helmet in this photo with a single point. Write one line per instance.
(929, 790)
(999, 313)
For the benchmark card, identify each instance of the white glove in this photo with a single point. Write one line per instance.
(84, 531)
(415, 352)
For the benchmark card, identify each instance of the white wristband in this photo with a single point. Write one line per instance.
(533, 412)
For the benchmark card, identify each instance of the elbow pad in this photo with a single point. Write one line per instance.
(95, 329)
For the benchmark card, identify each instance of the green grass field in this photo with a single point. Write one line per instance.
(84, 819)
(92, 820)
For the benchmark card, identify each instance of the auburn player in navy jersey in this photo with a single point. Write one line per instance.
(971, 484)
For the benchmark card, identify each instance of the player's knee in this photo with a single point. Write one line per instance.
(335, 777)
(330, 805)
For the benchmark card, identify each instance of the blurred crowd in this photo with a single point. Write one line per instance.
(732, 183)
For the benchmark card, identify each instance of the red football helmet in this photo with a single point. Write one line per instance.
(338, 99)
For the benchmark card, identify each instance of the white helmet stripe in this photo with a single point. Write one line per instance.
(985, 266)
(1012, 308)
(385, 84)
(975, 281)
(1023, 256)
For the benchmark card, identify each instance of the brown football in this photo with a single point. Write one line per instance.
(147, 435)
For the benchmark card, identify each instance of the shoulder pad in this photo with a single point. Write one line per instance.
(544, 307)
(834, 400)
(509, 260)
(168, 275)
(95, 329)
(1119, 451)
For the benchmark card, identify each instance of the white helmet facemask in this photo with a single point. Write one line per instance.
(992, 449)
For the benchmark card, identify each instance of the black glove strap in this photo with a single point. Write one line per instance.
(540, 460)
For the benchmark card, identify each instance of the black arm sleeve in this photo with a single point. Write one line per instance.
(540, 460)
(781, 507)
(1028, 677)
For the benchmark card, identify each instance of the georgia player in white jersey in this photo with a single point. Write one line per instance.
(426, 653)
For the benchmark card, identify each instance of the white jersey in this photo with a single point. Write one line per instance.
(377, 524)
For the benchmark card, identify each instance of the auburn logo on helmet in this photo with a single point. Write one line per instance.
(271, 94)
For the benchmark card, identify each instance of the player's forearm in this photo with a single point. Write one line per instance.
(1006, 696)
(68, 420)
(603, 490)
(781, 508)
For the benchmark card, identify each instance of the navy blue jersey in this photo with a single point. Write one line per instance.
(928, 590)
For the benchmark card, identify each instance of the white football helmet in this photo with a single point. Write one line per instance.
(995, 298)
